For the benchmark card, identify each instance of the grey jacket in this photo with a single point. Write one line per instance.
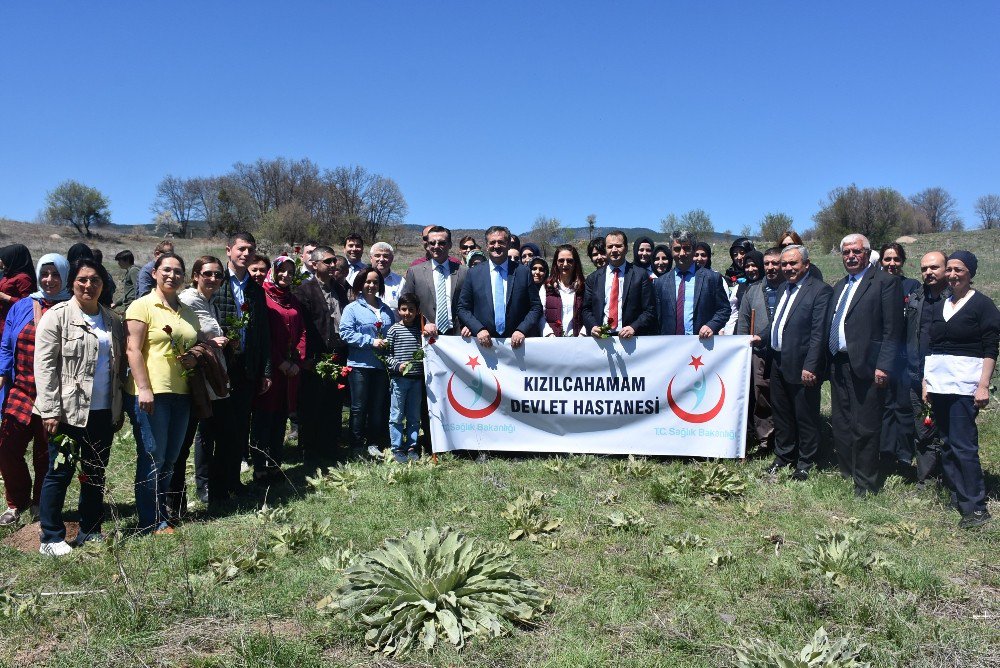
(754, 301)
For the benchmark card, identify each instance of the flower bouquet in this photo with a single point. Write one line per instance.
(236, 326)
(607, 329)
(177, 350)
(330, 368)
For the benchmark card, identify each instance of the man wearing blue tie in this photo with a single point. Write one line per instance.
(690, 300)
(797, 339)
(498, 298)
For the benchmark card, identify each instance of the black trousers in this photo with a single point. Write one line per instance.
(761, 414)
(201, 435)
(232, 440)
(321, 415)
(856, 417)
(267, 440)
(897, 420)
(927, 440)
(796, 419)
(963, 472)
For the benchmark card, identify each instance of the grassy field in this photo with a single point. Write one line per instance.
(630, 585)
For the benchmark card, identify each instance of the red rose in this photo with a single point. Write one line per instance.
(431, 341)
(344, 371)
(928, 421)
(378, 325)
(245, 306)
(335, 358)
(611, 323)
(168, 330)
(348, 369)
(83, 478)
(341, 386)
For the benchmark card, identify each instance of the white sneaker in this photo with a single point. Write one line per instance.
(59, 549)
(244, 467)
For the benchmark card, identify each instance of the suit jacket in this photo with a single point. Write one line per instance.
(322, 322)
(804, 336)
(873, 324)
(475, 303)
(420, 282)
(711, 302)
(638, 310)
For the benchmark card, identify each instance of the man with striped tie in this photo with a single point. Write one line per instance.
(865, 329)
(797, 339)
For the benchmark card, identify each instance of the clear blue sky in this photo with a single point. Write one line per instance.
(494, 113)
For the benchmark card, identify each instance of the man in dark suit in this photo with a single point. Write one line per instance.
(620, 294)
(865, 330)
(498, 298)
(437, 283)
(690, 300)
(797, 340)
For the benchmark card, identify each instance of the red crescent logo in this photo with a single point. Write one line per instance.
(696, 418)
(469, 412)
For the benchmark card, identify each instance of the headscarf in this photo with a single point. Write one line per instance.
(80, 251)
(62, 266)
(703, 245)
(281, 296)
(670, 257)
(757, 258)
(17, 260)
(635, 252)
(970, 261)
(532, 247)
(545, 265)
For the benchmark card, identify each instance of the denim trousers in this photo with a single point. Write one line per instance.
(94, 442)
(956, 419)
(407, 396)
(369, 407)
(158, 439)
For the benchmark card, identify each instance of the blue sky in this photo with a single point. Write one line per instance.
(495, 113)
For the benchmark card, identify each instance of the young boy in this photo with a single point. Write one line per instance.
(406, 380)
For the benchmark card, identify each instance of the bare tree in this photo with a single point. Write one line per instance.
(83, 207)
(699, 222)
(547, 233)
(180, 198)
(384, 205)
(988, 210)
(670, 224)
(591, 226)
(938, 208)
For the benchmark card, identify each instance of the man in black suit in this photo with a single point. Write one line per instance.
(798, 343)
(865, 330)
(619, 294)
(498, 298)
(690, 300)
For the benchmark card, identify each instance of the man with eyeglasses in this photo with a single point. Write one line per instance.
(320, 410)
(865, 329)
(427, 251)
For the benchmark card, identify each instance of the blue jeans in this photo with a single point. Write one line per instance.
(955, 416)
(158, 440)
(95, 448)
(404, 412)
(369, 406)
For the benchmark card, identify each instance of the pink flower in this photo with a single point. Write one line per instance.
(341, 386)
(928, 421)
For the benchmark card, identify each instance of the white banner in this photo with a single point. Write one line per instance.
(650, 395)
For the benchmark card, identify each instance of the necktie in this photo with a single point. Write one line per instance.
(499, 304)
(776, 327)
(838, 316)
(679, 308)
(442, 319)
(613, 304)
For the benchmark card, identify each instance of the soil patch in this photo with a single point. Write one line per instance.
(28, 538)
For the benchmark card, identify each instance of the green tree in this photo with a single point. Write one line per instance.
(698, 222)
(878, 213)
(773, 225)
(73, 203)
(547, 233)
(669, 224)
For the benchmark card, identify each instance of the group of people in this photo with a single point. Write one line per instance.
(217, 358)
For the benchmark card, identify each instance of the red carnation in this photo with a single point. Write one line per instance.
(344, 371)
(168, 329)
(341, 386)
(611, 323)
(245, 306)
(928, 421)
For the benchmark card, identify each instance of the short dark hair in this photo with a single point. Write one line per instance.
(98, 255)
(167, 256)
(260, 258)
(409, 299)
(354, 236)
(75, 268)
(773, 250)
(596, 243)
(892, 245)
(359, 280)
(319, 252)
(493, 229)
(616, 233)
(240, 236)
(201, 262)
(125, 256)
(437, 229)
(163, 246)
(515, 241)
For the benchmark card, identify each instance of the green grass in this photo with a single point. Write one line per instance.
(618, 598)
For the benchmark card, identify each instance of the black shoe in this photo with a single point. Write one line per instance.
(203, 494)
(800, 475)
(774, 468)
(860, 493)
(974, 519)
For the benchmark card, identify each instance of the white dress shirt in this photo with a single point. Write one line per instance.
(608, 277)
(568, 297)
(853, 287)
(506, 271)
(443, 274)
(784, 308)
(393, 288)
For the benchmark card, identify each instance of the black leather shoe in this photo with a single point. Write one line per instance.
(203, 494)
(774, 468)
(800, 475)
(974, 519)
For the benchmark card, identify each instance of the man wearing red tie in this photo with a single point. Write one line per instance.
(619, 295)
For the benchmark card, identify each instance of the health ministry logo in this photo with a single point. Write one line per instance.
(476, 389)
(699, 389)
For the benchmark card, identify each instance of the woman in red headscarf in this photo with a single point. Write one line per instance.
(288, 349)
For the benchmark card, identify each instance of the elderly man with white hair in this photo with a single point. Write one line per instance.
(381, 255)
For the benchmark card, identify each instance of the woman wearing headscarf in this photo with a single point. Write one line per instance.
(18, 277)
(17, 377)
(529, 252)
(965, 337)
(737, 253)
(663, 260)
(82, 250)
(79, 366)
(753, 270)
(642, 254)
(702, 255)
(288, 349)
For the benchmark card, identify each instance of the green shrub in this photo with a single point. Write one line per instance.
(819, 653)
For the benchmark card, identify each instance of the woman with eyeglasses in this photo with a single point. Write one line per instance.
(20, 425)
(207, 274)
(466, 246)
(79, 368)
(160, 329)
(562, 294)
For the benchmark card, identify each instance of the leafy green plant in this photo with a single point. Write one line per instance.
(837, 556)
(434, 585)
(818, 653)
(227, 569)
(292, 537)
(18, 606)
(720, 559)
(904, 531)
(337, 478)
(526, 519)
(633, 467)
(683, 543)
(339, 559)
(609, 497)
(711, 481)
(626, 520)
